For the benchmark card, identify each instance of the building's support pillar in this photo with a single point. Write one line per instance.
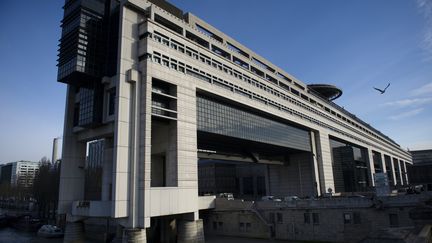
(134, 235)
(190, 231)
(383, 164)
(72, 174)
(324, 160)
(400, 172)
(314, 158)
(393, 171)
(107, 170)
(371, 167)
(406, 172)
(74, 232)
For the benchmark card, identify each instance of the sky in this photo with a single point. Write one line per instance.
(355, 45)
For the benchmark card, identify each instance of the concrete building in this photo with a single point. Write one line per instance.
(165, 91)
(19, 173)
(327, 220)
(420, 172)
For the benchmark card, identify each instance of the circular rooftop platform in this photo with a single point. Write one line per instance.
(327, 91)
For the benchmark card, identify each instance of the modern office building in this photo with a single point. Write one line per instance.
(420, 172)
(19, 173)
(168, 92)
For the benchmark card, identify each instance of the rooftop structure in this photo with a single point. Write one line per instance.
(167, 93)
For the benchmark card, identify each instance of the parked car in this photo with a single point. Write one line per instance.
(271, 198)
(228, 196)
(50, 231)
(291, 198)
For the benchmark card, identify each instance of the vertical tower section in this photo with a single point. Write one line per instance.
(87, 56)
(87, 52)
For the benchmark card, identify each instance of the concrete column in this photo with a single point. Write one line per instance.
(315, 170)
(384, 169)
(324, 160)
(400, 172)
(74, 232)
(134, 235)
(371, 167)
(393, 171)
(107, 170)
(190, 231)
(72, 174)
(406, 172)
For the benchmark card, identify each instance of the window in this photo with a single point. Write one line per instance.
(306, 217)
(221, 52)
(356, 217)
(111, 101)
(315, 218)
(241, 227)
(279, 218)
(214, 225)
(208, 33)
(271, 217)
(197, 39)
(347, 218)
(394, 220)
(170, 25)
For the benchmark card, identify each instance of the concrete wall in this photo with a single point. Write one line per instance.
(330, 226)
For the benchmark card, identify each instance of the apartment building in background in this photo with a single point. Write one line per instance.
(19, 173)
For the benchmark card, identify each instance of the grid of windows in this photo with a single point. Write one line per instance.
(80, 45)
(86, 107)
(187, 69)
(385, 139)
(220, 118)
(350, 170)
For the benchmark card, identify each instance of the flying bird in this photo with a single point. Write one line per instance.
(382, 91)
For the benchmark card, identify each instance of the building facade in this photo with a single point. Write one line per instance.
(19, 173)
(167, 91)
(421, 169)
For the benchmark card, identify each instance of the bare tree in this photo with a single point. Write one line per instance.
(45, 187)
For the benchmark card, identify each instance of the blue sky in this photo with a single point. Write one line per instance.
(353, 44)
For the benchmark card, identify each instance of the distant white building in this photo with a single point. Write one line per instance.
(19, 173)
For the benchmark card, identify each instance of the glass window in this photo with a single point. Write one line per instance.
(315, 218)
(279, 218)
(306, 218)
(111, 101)
(347, 218)
(356, 217)
(350, 167)
(394, 220)
(221, 118)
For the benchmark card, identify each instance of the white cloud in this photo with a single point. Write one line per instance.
(425, 89)
(407, 114)
(425, 7)
(409, 102)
